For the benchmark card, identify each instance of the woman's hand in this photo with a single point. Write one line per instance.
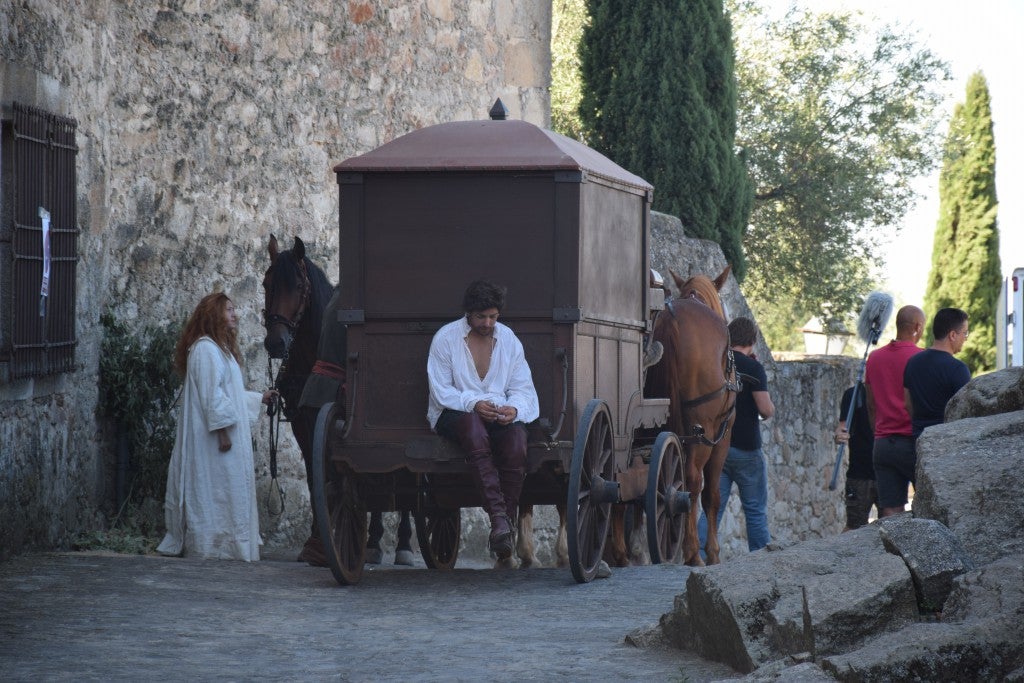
(223, 440)
(269, 396)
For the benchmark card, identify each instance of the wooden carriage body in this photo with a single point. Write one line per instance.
(564, 228)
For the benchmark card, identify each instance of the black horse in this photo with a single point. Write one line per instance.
(296, 294)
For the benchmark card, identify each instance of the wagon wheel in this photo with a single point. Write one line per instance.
(340, 515)
(438, 531)
(589, 501)
(666, 499)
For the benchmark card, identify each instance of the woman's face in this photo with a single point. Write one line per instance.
(230, 316)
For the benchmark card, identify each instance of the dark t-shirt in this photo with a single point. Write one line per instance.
(746, 432)
(862, 439)
(932, 377)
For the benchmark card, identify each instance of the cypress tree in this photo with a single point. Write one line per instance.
(659, 99)
(965, 258)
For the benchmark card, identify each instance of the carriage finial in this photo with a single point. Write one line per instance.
(499, 112)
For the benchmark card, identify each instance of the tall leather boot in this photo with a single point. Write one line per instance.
(487, 481)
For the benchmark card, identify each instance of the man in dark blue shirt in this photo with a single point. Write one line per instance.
(930, 380)
(934, 375)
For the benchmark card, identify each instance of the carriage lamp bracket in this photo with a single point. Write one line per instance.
(563, 358)
(350, 392)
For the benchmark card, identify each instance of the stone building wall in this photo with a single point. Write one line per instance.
(202, 129)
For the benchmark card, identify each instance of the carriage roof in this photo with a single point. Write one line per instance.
(490, 146)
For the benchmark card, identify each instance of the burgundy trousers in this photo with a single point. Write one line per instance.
(496, 455)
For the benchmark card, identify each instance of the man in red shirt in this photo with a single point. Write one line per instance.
(894, 456)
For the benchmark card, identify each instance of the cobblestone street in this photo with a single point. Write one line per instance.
(85, 616)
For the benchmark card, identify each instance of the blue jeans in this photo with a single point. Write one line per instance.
(749, 471)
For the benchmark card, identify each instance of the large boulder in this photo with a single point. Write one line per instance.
(991, 394)
(814, 597)
(978, 639)
(969, 479)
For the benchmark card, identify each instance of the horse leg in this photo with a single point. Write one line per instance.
(615, 550)
(694, 481)
(711, 499)
(562, 541)
(374, 534)
(302, 423)
(403, 552)
(524, 543)
(638, 552)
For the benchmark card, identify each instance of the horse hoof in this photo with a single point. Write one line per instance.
(603, 571)
(505, 563)
(313, 553)
(404, 558)
(374, 556)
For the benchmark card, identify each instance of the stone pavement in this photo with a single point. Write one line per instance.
(93, 616)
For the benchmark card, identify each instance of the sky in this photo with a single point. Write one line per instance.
(981, 35)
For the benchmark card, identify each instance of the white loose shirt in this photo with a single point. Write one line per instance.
(455, 384)
(210, 508)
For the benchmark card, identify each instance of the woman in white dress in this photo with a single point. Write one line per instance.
(210, 508)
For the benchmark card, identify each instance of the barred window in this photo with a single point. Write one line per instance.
(38, 242)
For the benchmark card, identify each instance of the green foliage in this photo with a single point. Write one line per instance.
(567, 20)
(966, 271)
(138, 389)
(659, 99)
(836, 123)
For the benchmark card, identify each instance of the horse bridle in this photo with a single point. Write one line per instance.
(292, 324)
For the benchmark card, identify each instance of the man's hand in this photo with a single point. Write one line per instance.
(841, 435)
(487, 411)
(223, 440)
(507, 415)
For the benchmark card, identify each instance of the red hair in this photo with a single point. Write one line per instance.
(208, 320)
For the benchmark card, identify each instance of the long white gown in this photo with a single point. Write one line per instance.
(210, 508)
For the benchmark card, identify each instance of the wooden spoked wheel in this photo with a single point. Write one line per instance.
(663, 506)
(589, 504)
(438, 531)
(340, 514)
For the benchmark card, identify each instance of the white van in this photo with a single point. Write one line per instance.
(1010, 322)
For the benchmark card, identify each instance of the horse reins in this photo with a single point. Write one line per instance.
(275, 411)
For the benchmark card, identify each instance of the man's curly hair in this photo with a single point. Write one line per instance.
(481, 295)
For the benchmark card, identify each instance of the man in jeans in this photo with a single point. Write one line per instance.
(745, 465)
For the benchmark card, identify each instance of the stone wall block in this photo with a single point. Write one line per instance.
(932, 553)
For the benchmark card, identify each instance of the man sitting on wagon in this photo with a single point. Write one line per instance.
(482, 396)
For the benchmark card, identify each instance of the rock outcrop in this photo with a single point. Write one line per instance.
(841, 608)
(991, 394)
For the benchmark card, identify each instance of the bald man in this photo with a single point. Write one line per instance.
(893, 454)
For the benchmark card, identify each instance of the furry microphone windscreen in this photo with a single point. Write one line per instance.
(874, 316)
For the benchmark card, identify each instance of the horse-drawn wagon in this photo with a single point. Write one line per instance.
(567, 231)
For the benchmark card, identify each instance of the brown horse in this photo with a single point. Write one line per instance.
(697, 374)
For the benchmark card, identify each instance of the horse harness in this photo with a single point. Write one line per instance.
(733, 383)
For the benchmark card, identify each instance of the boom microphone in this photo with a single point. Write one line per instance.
(874, 317)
